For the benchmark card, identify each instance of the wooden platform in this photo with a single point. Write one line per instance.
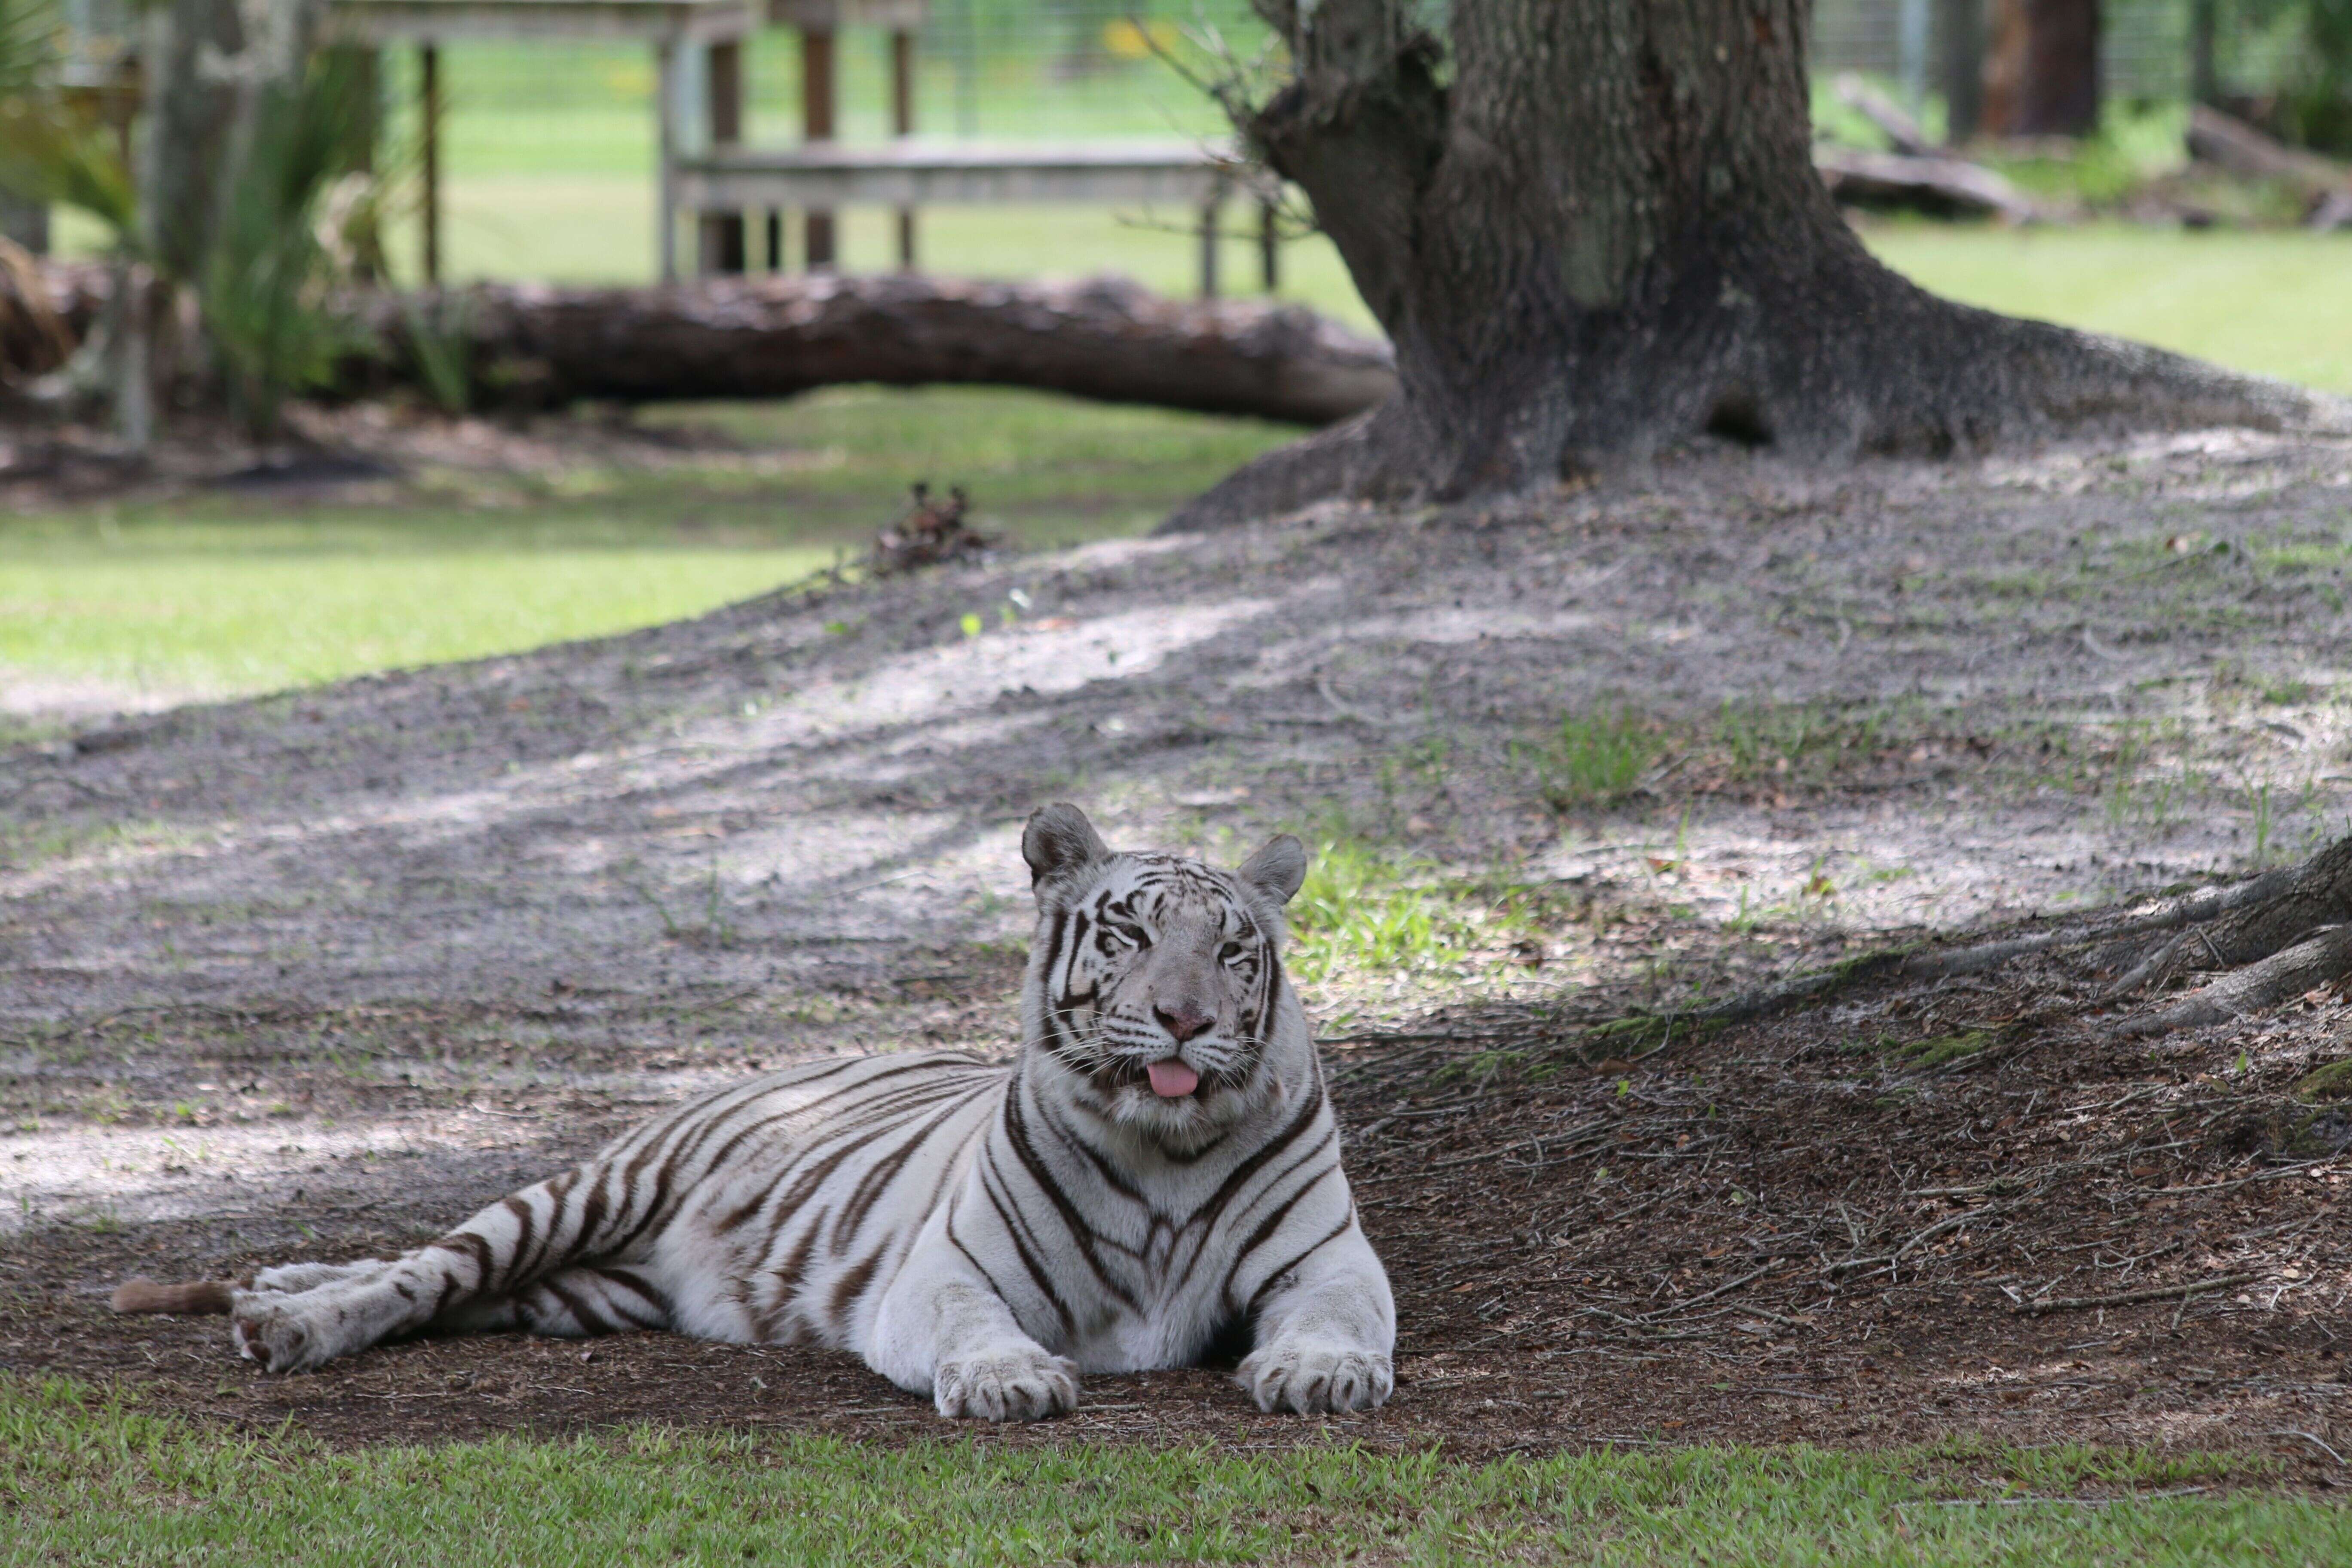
(704, 169)
(918, 173)
(1196, 179)
(443, 21)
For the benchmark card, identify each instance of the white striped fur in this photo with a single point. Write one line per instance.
(981, 1233)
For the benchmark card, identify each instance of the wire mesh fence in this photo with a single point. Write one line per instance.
(992, 70)
(2144, 45)
(1017, 69)
(547, 149)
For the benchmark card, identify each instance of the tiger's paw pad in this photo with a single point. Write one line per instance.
(1018, 1383)
(1311, 1377)
(264, 1330)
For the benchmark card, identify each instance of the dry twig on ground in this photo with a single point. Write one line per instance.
(931, 533)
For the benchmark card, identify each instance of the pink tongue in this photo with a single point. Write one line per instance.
(1171, 1079)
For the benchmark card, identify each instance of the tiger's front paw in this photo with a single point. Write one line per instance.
(266, 1327)
(1315, 1375)
(1011, 1383)
(291, 1278)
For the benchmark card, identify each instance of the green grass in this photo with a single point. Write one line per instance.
(227, 593)
(1597, 757)
(1369, 912)
(255, 618)
(1925, 1055)
(83, 1480)
(1756, 739)
(1051, 470)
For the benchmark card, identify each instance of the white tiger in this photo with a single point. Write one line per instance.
(1155, 1177)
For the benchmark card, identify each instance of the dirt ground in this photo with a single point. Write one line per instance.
(316, 974)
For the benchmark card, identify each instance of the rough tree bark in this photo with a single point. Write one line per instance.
(1594, 231)
(530, 347)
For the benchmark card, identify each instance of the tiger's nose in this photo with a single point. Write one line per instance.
(1183, 1022)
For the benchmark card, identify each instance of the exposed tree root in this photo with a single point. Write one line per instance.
(2257, 944)
(1935, 380)
(2324, 957)
(2270, 913)
(2266, 939)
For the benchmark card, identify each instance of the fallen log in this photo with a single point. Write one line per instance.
(530, 345)
(1943, 185)
(1901, 132)
(2326, 184)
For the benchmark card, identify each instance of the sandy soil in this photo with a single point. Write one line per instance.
(313, 974)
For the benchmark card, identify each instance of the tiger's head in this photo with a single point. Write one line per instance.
(1156, 983)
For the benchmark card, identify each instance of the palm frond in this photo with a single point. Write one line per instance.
(54, 151)
(32, 41)
(266, 280)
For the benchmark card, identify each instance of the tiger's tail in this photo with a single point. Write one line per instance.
(194, 1298)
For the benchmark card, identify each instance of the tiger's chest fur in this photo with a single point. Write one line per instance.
(803, 1193)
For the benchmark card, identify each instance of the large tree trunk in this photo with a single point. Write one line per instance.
(1600, 235)
(2043, 78)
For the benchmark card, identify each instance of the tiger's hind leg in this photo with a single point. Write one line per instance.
(484, 1274)
(576, 1303)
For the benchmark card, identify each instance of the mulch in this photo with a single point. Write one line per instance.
(1906, 1210)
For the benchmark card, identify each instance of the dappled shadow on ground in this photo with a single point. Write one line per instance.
(1915, 1210)
(315, 976)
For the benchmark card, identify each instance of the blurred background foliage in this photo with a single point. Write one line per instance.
(548, 154)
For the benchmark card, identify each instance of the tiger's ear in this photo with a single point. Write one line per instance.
(1059, 843)
(1277, 869)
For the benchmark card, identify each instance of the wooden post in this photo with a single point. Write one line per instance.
(816, 125)
(1269, 245)
(1208, 244)
(428, 110)
(666, 153)
(902, 124)
(2204, 75)
(366, 66)
(1963, 29)
(720, 235)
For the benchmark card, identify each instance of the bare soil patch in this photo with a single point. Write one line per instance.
(313, 975)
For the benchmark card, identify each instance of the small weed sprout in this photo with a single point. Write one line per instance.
(1599, 758)
(1361, 909)
(1365, 911)
(2130, 750)
(716, 924)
